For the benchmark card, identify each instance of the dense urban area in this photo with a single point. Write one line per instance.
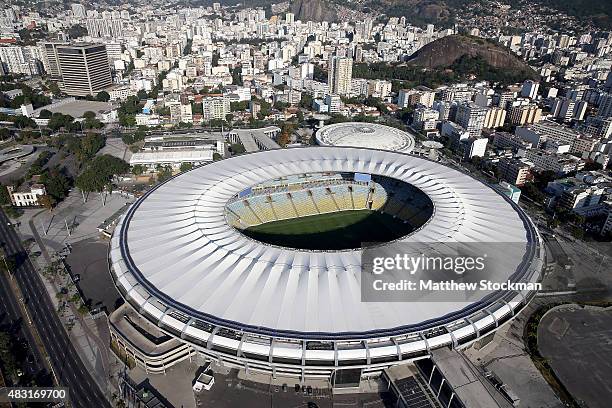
(103, 103)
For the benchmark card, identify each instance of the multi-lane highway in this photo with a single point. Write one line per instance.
(12, 317)
(70, 371)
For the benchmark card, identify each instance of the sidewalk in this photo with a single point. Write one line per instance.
(90, 336)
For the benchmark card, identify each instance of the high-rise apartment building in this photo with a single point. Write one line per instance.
(604, 108)
(525, 114)
(568, 109)
(215, 107)
(83, 68)
(14, 60)
(530, 89)
(419, 95)
(340, 73)
(495, 117)
(471, 117)
(514, 171)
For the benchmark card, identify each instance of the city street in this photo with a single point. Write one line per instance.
(68, 368)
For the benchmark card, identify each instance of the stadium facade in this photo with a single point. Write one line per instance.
(179, 259)
(366, 135)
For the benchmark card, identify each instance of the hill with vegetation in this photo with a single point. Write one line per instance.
(450, 49)
(599, 12)
(420, 12)
(451, 59)
(313, 10)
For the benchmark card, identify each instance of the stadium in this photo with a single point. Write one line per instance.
(217, 258)
(367, 135)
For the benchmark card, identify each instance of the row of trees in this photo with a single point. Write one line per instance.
(83, 148)
(99, 172)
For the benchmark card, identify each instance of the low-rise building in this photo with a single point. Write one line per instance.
(173, 158)
(509, 190)
(558, 163)
(505, 140)
(27, 195)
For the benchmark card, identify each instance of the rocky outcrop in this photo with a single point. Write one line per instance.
(445, 51)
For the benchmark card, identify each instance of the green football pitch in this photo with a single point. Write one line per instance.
(333, 231)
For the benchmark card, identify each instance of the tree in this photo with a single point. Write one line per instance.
(56, 183)
(47, 201)
(99, 173)
(237, 76)
(59, 121)
(592, 165)
(45, 114)
(306, 101)
(5, 198)
(237, 148)
(278, 105)
(127, 120)
(77, 31)
(164, 174)
(54, 88)
(102, 96)
(4, 133)
(89, 115)
(137, 170)
(90, 145)
(141, 94)
(285, 136)
(8, 264)
(186, 166)
(239, 106)
(532, 191)
(21, 122)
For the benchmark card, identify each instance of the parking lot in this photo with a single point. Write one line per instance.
(578, 343)
(88, 262)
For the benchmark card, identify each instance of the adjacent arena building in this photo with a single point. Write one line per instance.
(192, 257)
(368, 135)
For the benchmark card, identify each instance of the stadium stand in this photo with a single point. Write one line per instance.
(311, 194)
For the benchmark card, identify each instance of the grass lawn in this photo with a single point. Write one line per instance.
(339, 230)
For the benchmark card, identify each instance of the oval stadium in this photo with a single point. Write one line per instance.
(256, 260)
(367, 135)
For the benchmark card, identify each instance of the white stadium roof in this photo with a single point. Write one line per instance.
(175, 247)
(368, 135)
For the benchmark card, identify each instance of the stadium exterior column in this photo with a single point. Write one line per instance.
(440, 389)
(450, 400)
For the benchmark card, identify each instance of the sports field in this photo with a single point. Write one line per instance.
(339, 230)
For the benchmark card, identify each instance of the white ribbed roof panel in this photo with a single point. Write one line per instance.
(368, 135)
(181, 246)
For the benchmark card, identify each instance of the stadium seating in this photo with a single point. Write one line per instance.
(283, 206)
(324, 200)
(303, 203)
(341, 196)
(305, 195)
(262, 208)
(360, 196)
(378, 197)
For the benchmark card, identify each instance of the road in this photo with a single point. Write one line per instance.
(68, 367)
(11, 316)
